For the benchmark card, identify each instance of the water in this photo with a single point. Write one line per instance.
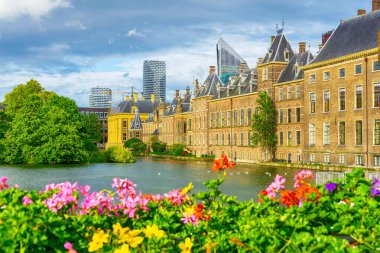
(150, 175)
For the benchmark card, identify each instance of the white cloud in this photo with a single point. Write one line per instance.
(76, 24)
(134, 33)
(53, 48)
(36, 9)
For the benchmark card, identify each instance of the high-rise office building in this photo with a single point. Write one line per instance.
(100, 98)
(229, 62)
(154, 79)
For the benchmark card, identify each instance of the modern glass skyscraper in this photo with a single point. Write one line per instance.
(154, 79)
(100, 98)
(229, 62)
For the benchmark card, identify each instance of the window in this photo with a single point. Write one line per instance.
(326, 101)
(326, 133)
(298, 91)
(280, 94)
(217, 119)
(298, 137)
(286, 55)
(342, 72)
(289, 93)
(281, 116)
(289, 115)
(342, 159)
(211, 139)
(358, 69)
(376, 66)
(124, 136)
(289, 138)
(312, 134)
(312, 157)
(298, 114)
(326, 76)
(359, 97)
(281, 138)
(229, 139)
(265, 74)
(359, 160)
(376, 94)
(312, 102)
(376, 160)
(212, 120)
(216, 139)
(326, 158)
(376, 134)
(312, 78)
(235, 139)
(342, 99)
(249, 117)
(241, 139)
(342, 133)
(242, 117)
(125, 123)
(228, 119)
(223, 139)
(222, 119)
(235, 118)
(249, 139)
(359, 132)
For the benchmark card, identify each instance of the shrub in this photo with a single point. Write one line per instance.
(118, 155)
(176, 149)
(138, 148)
(128, 143)
(158, 147)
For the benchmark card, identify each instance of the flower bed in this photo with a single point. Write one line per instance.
(336, 217)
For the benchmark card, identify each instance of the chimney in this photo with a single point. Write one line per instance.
(212, 70)
(361, 12)
(260, 60)
(188, 91)
(143, 98)
(127, 98)
(320, 46)
(375, 5)
(326, 36)
(243, 66)
(272, 38)
(152, 97)
(135, 97)
(302, 47)
(177, 93)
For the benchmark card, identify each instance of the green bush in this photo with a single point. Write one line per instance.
(96, 156)
(138, 148)
(128, 143)
(158, 147)
(176, 149)
(118, 155)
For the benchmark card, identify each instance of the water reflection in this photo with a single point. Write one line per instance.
(152, 176)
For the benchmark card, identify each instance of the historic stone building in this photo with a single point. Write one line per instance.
(327, 105)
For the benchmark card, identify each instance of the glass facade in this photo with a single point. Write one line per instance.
(229, 62)
(154, 79)
(100, 98)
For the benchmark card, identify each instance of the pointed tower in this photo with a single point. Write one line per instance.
(136, 128)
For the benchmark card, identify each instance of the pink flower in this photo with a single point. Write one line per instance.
(26, 200)
(303, 177)
(69, 247)
(3, 183)
(278, 183)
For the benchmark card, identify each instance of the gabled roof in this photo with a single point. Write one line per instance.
(242, 82)
(150, 118)
(351, 36)
(183, 102)
(144, 106)
(293, 71)
(136, 122)
(277, 49)
(209, 88)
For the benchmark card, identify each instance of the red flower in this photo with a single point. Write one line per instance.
(288, 198)
(222, 163)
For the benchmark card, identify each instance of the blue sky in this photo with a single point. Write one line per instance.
(70, 46)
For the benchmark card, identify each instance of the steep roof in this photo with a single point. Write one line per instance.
(242, 82)
(210, 86)
(183, 102)
(136, 122)
(292, 71)
(351, 36)
(277, 49)
(144, 106)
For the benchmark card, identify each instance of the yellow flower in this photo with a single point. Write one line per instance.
(123, 249)
(120, 232)
(186, 247)
(190, 210)
(187, 188)
(149, 231)
(98, 239)
(133, 239)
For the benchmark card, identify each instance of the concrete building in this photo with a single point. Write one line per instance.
(100, 98)
(154, 79)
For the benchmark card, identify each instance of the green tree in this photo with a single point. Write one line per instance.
(118, 155)
(5, 121)
(128, 143)
(93, 131)
(138, 148)
(264, 124)
(176, 149)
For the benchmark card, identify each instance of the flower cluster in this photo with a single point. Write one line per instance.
(63, 194)
(222, 163)
(3, 183)
(193, 214)
(375, 189)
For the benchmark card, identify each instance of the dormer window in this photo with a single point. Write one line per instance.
(286, 54)
(270, 51)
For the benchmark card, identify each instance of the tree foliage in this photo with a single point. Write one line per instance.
(176, 149)
(264, 124)
(45, 128)
(118, 154)
(128, 143)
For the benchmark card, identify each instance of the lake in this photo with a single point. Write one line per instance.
(151, 176)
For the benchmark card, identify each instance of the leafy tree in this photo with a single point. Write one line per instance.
(118, 155)
(128, 143)
(176, 149)
(93, 131)
(264, 124)
(5, 121)
(138, 148)
(158, 146)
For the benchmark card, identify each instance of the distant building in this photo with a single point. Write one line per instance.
(154, 79)
(102, 114)
(100, 98)
(228, 61)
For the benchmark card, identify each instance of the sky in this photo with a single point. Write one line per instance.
(70, 46)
